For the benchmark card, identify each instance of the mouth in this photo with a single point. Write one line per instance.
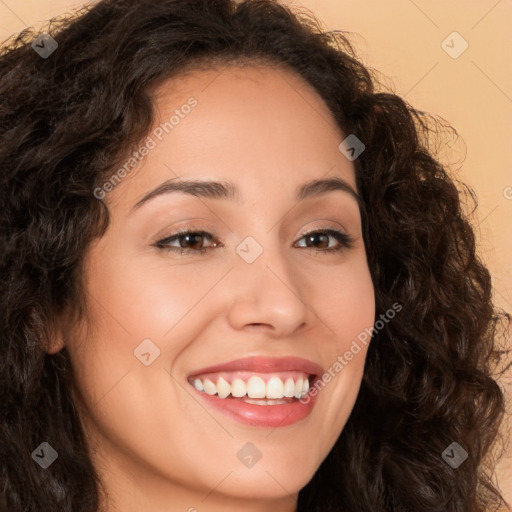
(259, 391)
(257, 388)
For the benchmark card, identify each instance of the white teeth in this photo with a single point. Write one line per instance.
(270, 393)
(223, 388)
(264, 402)
(289, 387)
(256, 387)
(209, 387)
(198, 385)
(275, 388)
(238, 388)
(298, 387)
(255, 402)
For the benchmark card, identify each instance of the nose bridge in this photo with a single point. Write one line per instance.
(268, 290)
(265, 259)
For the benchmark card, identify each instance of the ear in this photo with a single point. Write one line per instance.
(55, 341)
(56, 344)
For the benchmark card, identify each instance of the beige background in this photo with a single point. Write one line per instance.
(473, 92)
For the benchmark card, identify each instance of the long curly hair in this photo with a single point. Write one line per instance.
(66, 121)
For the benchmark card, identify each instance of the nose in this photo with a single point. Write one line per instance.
(269, 295)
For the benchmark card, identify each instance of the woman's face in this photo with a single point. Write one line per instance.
(262, 305)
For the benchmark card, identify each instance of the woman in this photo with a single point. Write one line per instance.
(234, 276)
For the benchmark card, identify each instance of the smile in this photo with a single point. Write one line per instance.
(271, 387)
(259, 391)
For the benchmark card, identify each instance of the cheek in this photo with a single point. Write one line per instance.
(346, 302)
(146, 297)
(349, 311)
(136, 307)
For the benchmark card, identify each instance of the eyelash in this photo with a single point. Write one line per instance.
(345, 240)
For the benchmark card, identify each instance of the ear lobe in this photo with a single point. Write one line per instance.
(55, 338)
(56, 345)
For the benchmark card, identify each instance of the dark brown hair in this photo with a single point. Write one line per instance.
(66, 120)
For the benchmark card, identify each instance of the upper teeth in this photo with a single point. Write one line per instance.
(254, 387)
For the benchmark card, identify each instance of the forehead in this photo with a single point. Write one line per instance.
(260, 126)
(259, 97)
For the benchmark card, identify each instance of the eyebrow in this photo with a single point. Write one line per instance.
(228, 190)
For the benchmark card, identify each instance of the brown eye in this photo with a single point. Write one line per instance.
(192, 242)
(189, 241)
(321, 237)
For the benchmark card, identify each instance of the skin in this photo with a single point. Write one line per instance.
(156, 446)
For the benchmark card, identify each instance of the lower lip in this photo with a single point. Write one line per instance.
(261, 415)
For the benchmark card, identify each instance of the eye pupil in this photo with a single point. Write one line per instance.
(314, 236)
(192, 243)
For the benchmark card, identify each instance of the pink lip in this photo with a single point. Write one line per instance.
(262, 415)
(264, 365)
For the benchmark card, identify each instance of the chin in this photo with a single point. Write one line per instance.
(266, 484)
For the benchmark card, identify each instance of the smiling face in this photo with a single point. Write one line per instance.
(261, 291)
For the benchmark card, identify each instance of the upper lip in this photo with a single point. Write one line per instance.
(263, 364)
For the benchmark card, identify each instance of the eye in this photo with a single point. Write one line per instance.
(191, 242)
(344, 240)
(192, 238)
